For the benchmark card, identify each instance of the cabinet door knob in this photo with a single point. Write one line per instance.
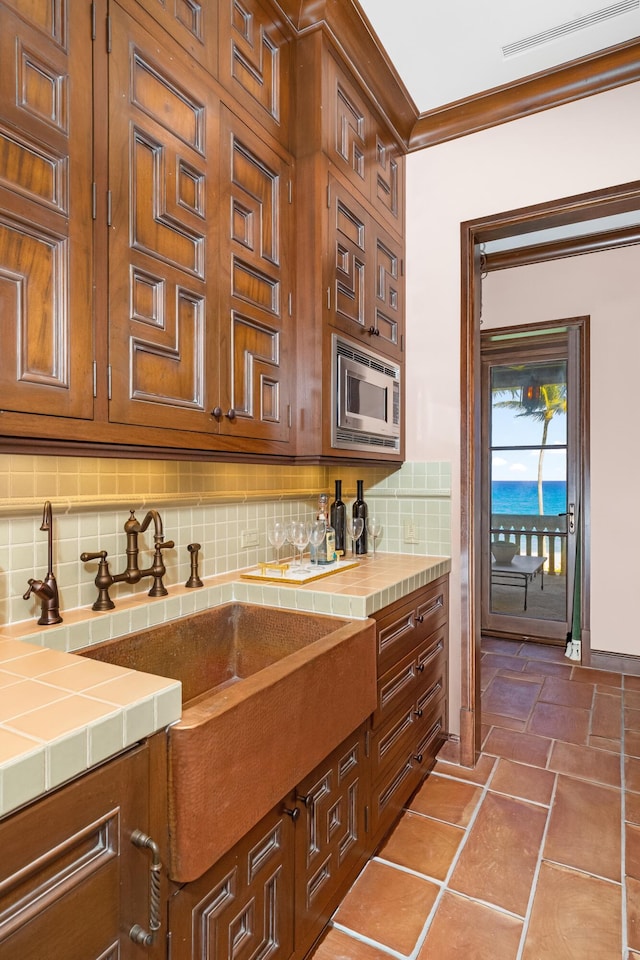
(418, 758)
(418, 712)
(231, 414)
(294, 813)
(420, 618)
(216, 412)
(420, 668)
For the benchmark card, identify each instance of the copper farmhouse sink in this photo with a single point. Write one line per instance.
(267, 694)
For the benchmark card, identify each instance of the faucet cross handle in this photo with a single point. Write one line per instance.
(102, 581)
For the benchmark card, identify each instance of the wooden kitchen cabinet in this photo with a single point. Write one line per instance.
(347, 129)
(365, 282)
(72, 882)
(350, 222)
(410, 721)
(46, 363)
(331, 836)
(200, 329)
(243, 905)
(273, 893)
(191, 196)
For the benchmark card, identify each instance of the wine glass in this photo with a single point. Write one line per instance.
(355, 526)
(374, 529)
(317, 532)
(277, 534)
(298, 534)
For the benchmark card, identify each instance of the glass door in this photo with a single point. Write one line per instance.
(530, 483)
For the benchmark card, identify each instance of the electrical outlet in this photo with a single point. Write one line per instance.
(410, 532)
(249, 538)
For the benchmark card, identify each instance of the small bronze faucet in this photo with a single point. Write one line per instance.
(46, 590)
(132, 574)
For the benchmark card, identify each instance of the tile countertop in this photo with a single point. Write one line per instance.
(61, 714)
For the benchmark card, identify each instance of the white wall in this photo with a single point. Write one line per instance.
(605, 286)
(568, 150)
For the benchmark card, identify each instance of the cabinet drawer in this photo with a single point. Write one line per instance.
(399, 780)
(406, 727)
(412, 674)
(405, 624)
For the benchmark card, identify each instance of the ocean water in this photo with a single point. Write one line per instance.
(521, 496)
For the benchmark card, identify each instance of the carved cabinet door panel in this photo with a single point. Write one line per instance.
(386, 293)
(192, 23)
(163, 133)
(331, 840)
(365, 282)
(349, 262)
(348, 128)
(255, 63)
(46, 363)
(256, 322)
(242, 906)
(388, 186)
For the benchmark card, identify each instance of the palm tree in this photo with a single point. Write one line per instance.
(553, 400)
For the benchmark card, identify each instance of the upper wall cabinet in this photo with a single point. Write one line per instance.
(45, 210)
(349, 242)
(364, 283)
(335, 117)
(200, 284)
(193, 197)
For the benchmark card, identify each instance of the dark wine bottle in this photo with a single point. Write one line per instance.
(360, 510)
(337, 515)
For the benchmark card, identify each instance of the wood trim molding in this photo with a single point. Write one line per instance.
(572, 247)
(604, 70)
(350, 32)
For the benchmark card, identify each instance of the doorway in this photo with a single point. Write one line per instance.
(532, 441)
(603, 234)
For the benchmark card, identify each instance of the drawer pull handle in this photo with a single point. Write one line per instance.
(292, 812)
(137, 933)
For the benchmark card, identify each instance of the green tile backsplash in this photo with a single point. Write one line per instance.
(211, 503)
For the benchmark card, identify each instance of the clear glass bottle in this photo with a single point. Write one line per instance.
(326, 551)
(360, 510)
(337, 517)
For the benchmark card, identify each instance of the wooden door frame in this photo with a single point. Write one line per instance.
(473, 233)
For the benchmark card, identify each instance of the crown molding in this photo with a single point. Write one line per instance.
(613, 67)
(345, 24)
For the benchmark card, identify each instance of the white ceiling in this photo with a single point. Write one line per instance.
(449, 50)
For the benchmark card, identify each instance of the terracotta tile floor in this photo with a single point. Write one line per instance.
(534, 854)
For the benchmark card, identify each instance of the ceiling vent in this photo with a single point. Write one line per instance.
(571, 26)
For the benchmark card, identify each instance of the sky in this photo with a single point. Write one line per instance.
(510, 430)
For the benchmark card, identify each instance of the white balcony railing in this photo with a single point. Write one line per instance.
(535, 536)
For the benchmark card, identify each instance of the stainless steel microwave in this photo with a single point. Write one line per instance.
(366, 399)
